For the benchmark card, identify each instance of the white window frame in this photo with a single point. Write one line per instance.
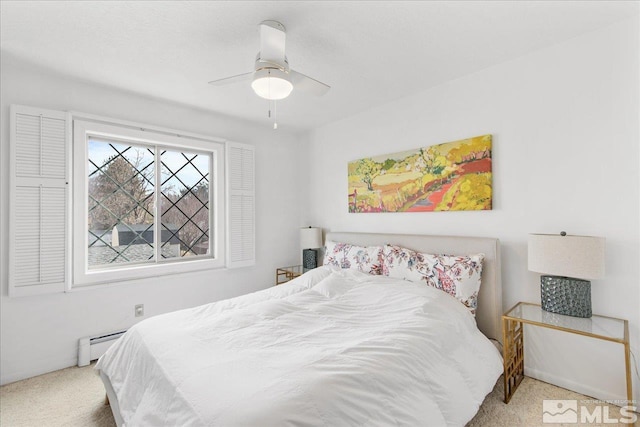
(83, 127)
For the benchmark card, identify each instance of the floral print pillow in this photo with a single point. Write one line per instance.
(459, 276)
(367, 259)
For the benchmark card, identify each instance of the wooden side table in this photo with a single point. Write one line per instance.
(284, 274)
(600, 327)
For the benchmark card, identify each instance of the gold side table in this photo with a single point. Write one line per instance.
(600, 327)
(284, 274)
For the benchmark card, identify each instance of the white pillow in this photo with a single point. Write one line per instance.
(459, 276)
(367, 259)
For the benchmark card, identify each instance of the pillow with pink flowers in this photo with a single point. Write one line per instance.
(459, 276)
(367, 259)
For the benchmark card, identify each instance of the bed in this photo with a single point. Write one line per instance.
(332, 347)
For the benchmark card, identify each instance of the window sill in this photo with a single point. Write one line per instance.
(93, 280)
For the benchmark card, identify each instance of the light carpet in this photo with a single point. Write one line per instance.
(76, 397)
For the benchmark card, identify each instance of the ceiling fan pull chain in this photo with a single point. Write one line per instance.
(275, 115)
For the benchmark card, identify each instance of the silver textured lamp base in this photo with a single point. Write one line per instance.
(564, 295)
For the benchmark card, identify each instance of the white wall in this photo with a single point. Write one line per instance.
(565, 157)
(40, 334)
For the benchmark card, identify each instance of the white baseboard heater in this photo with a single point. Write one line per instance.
(91, 348)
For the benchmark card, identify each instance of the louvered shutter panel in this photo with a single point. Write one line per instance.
(240, 205)
(38, 216)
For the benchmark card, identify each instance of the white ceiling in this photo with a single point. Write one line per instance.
(369, 52)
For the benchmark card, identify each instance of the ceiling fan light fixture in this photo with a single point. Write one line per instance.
(272, 84)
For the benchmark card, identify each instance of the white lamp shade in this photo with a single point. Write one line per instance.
(579, 257)
(310, 238)
(272, 84)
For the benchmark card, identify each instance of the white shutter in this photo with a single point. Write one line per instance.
(38, 216)
(240, 205)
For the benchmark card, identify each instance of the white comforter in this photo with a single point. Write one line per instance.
(326, 349)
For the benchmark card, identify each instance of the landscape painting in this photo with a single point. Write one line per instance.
(454, 176)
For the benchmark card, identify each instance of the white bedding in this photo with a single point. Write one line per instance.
(330, 348)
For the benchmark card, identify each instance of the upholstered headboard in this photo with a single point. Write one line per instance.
(489, 311)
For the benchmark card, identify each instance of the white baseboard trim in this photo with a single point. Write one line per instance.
(12, 377)
(572, 385)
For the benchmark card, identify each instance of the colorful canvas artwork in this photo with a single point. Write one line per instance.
(454, 176)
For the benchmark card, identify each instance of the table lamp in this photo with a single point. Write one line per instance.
(567, 264)
(310, 240)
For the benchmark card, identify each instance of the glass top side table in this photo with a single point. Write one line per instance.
(600, 327)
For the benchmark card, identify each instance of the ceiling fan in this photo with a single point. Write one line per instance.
(272, 78)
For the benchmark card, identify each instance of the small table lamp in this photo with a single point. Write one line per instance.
(310, 239)
(566, 261)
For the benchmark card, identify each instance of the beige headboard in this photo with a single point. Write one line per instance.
(489, 312)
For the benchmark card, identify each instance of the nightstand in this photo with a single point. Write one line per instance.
(599, 327)
(284, 274)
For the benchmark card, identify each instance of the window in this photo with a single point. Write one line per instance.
(121, 209)
(145, 203)
(94, 201)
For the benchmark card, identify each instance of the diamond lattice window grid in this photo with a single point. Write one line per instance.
(123, 209)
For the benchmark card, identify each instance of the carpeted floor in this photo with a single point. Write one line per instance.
(75, 397)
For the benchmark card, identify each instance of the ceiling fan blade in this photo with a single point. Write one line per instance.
(272, 41)
(308, 84)
(232, 79)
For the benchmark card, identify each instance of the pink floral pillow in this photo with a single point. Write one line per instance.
(459, 276)
(367, 259)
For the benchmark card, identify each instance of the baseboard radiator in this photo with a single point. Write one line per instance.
(91, 348)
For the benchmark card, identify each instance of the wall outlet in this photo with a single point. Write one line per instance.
(139, 310)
